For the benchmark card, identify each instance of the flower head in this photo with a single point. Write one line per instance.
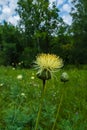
(47, 63)
(23, 95)
(13, 68)
(32, 77)
(19, 77)
(2, 84)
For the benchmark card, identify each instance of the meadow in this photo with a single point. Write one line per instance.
(20, 97)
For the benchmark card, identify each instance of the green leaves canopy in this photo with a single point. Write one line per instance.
(40, 22)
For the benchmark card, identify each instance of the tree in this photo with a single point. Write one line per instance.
(40, 22)
(10, 47)
(79, 29)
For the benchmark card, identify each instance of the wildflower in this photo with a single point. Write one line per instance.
(23, 95)
(1, 85)
(32, 77)
(13, 68)
(64, 77)
(20, 77)
(46, 64)
(19, 63)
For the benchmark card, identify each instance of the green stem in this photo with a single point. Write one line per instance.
(53, 128)
(44, 81)
(40, 107)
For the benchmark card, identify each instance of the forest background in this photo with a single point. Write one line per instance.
(42, 30)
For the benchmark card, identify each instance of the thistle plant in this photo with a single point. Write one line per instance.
(64, 78)
(46, 65)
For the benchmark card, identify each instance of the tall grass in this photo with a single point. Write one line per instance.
(20, 100)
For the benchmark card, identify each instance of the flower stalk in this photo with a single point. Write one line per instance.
(44, 82)
(41, 104)
(64, 78)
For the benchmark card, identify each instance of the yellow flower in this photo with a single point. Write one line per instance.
(2, 84)
(23, 95)
(20, 77)
(47, 63)
(32, 77)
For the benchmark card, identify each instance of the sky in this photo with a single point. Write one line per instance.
(7, 10)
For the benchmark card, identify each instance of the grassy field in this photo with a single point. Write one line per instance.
(20, 97)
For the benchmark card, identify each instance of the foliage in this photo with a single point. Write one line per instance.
(40, 22)
(10, 46)
(79, 29)
(20, 100)
(42, 30)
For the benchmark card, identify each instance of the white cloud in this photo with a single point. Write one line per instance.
(7, 10)
(2, 2)
(67, 19)
(69, 1)
(66, 7)
(59, 2)
(13, 19)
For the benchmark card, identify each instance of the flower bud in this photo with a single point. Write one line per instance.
(64, 77)
(44, 75)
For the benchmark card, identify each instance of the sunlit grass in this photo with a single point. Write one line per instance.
(20, 99)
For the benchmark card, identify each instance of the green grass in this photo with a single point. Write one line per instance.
(20, 100)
